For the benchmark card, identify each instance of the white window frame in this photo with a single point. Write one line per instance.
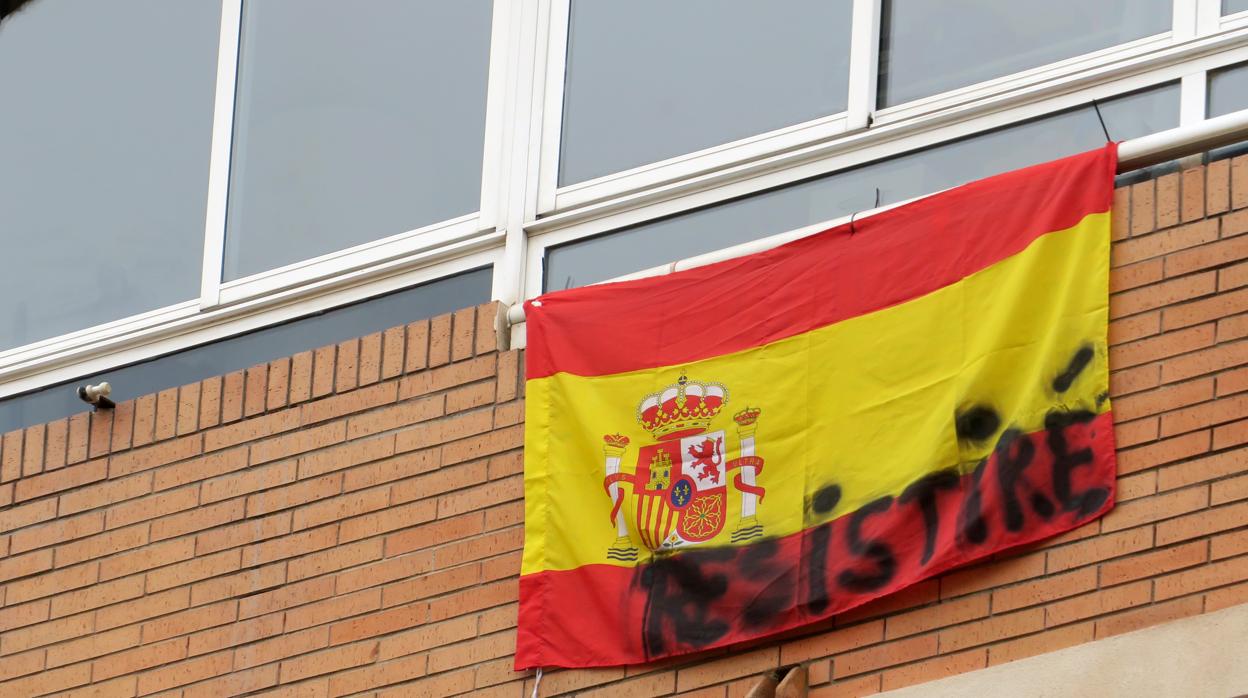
(132, 340)
(1187, 62)
(426, 238)
(281, 294)
(1212, 19)
(863, 82)
(523, 212)
(552, 197)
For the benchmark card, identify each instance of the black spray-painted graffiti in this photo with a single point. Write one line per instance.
(704, 596)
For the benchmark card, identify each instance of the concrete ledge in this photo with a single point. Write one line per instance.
(1204, 655)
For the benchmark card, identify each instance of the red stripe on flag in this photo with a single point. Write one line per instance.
(601, 615)
(890, 258)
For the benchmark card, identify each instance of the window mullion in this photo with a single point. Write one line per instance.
(554, 62)
(519, 187)
(1193, 98)
(1184, 24)
(863, 62)
(219, 160)
(498, 116)
(1193, 18)
(1208, 15)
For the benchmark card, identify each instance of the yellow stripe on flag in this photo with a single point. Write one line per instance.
(871, 407)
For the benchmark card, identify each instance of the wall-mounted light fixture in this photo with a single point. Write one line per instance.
(97, 395)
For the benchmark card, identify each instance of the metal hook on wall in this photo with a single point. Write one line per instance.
(854, 215)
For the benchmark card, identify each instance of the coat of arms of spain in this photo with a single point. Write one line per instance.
(680, 484)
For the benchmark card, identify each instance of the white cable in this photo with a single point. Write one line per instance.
(538, 682)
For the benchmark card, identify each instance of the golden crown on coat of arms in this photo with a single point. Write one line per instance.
(683, 409)
(747, 416)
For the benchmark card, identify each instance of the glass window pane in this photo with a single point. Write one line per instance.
(900, 178)
(930, 46)
(1228, 89)
(247, 350)
(104, 138)
(651, 79)
(1233, 6)
(353, 124)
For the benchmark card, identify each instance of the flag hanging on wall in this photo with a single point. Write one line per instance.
(743, 448)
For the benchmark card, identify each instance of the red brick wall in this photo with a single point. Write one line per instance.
(349, 520)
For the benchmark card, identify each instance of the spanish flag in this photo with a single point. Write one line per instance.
(741, 449)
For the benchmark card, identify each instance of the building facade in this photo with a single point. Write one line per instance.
(287, 234)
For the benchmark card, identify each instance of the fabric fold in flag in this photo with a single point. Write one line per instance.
(744, 448)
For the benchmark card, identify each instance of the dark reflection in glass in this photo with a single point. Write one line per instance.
(243, 351)
(1228, 92)
(913, 174)
(931, 46)
(651, 79)
(104, 138)
(354, 122)
(1228, 89)
(1233, 6)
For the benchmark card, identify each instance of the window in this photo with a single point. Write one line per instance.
(650, 80)
(930, 46)
(1228, 90)
(104, 141)
(898, 179)
(247, 350)
(174, 174)
(353, 123)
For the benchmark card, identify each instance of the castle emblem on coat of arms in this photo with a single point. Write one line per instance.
(679, 487)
